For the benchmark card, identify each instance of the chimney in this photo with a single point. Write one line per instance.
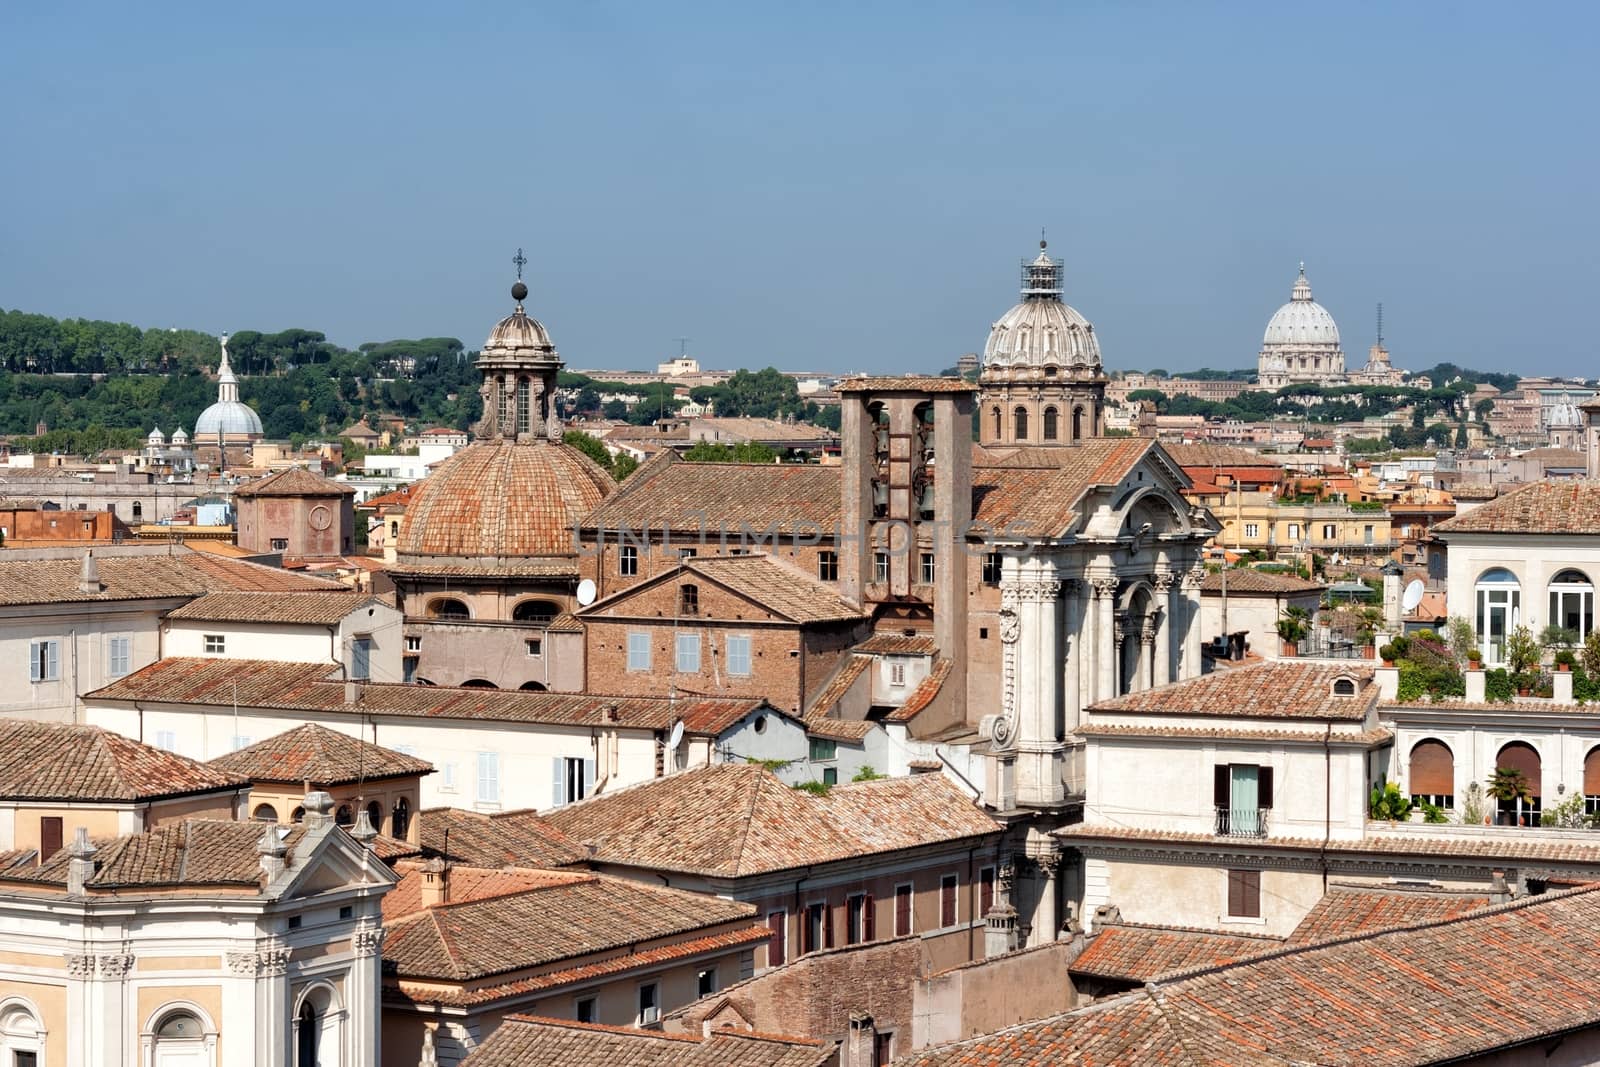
(319, 810)
(1499, 892)
(860, 1045)
(80, 865)
(435, 883)
(272, 851)
(89, 577)
(1000, 930)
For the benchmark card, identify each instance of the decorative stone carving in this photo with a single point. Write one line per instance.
(1010, 631)
(1147, 631)
(1193, 577)
(1010, 621)
(1007, 876)
(1164, 581)
(488, 425)
(116, 966)
(242, 962)
(274, 961)
(1105, 588)
(368, 942)
(1040, 591)
(80, 966)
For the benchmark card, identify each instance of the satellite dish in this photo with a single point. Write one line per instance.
(1412, 596)
(675, 738)
(586, 592)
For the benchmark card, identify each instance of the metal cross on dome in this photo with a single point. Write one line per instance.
(521, 261)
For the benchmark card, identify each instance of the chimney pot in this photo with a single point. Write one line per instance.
(80, 862)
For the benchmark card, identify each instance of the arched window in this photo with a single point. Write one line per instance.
(1020, 417)
(522, 405)
(138, 509)
(179, 1039)
(1432, 774)
(995, 416)
(1519, 756)
(1572, 604)
(448, 608)
(21, 1040)
(478, 683)
(375, 815)
(534, 687)
(306, 1035)
(299, 816)
(688, 599)
(400, 819)
(265, 813)
(1050, 420)
(1499, 607)
(344, 816)
(535, 611)
(317, 1023)
(1077, 424)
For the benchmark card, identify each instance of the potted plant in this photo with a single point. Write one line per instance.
(1388, 804)
(1522, 654)
(1474, 659)
(1390, 652)
(1508, 786)
(1292, 629)
(1565, 659)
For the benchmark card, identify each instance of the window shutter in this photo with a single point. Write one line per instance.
(776, 922)
(558, 780)
(50, 827)
(55, 663)
(1251, 885)
(1221, 788)
(33, 661)
(1263, 787)
(869, 919)
(588, 777)
(1433, 770)
(902, 911)
(827, 926)
(1236, 893)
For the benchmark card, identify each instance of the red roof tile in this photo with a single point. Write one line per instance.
(321, 757)
(1129, 952)
(525, 1040)
(85, 764)
(1346, 910)
(1559, 507)
(1286, 689)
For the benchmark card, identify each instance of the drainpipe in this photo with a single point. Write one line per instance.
(1327, 802)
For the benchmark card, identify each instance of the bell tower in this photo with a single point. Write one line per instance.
(519, 365)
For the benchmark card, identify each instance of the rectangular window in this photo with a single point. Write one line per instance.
(586, 1010)
(1366, 533)
(823, 749)
(447, 777)
(880, 566)
(985, 891)
(638, 652)
(739, 656)
(1294, 531)
(361, 658)
(1242, 794)
(897, 674)
(828, 565)
(819, 927)
(777, 946)
(649, 1004)
(280, 544)
(628, 561)
(574, 779)
(413, 644)
(1244, 894)
(902, 910)
(688, 653)
(882, 1050)
(688, 600)
(488, 777)
(215, 644)
(44, 661)
(991, 569)
(863, 921)
(242, 741)
(926, 564)
(830, 776)
(119, 656)
(166, 740)
(947, 901)
(1252, 529)
(1330, 532)
(535, 646)
(50, 830)
(706, 982)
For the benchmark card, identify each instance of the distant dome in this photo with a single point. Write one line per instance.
(1564, 414)
(1302, 321)
(179, 437)
(1042, 330)
(499, 498)
(231, 417)
(519, 334)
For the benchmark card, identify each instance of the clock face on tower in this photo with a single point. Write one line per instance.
(320, 518)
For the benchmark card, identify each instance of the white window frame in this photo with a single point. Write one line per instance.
(1252, 529)
(740, 660)
(897, 674)
(119, 655)
(1487, 595)
(648, 1015)
(911, 912)
(638, 650)
(490, 762)
(686, 644)
(628, 561)
(880, 566)
(361, 658)
(1559, 592)
(214, 644)
(413, 643)
(166, 740)
(44, 660)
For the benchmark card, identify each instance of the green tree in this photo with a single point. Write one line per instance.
(745, 452)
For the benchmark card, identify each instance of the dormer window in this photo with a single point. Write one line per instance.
(1344, 687)
(688, 599)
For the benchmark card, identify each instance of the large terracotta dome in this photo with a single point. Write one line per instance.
(499, 498)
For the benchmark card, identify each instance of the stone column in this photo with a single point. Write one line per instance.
(1072, 649)
(108, 998)
(1105, 638)
(1046, 916)
(1038, 691)
(365, 991)
(1146, 674)
(1168, 602)
(1188, 593)
(79, 1040)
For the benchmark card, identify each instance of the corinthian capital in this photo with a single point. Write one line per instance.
(1105, 588)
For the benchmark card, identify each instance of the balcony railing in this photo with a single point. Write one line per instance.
(1242, 822)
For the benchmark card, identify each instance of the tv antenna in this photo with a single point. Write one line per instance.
(683, 346)
(1380, 324)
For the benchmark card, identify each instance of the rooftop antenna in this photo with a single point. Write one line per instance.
(521, 261)
(683, 346)
(1380, 324)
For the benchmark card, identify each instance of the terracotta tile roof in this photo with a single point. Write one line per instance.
(783, 589)
(294, 481)
(564, 623)
(1245, 581)
(1541, 847)
(716, 497)
(497, 499)
(1286, 689)
(315, 687)
(1378, 735)
(919, 383)
(1132, 952)
(1044, 500)
(849, 671)
(1473, 491)
(1204, 454)
(1346, 910)
(1403, 997)
(755, 429)
(734, 820)
(852, 731)
(1557, 457)
(191, 853)
(321, 757)
(523, 1040)
(446, 567)
(322, 607)
(504, 839)
(565, 920)
(896, 645)
(1560, 507)
(467, 884)
(923, 694)
(141, 577)
(85, 764)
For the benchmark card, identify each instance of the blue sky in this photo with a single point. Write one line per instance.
(830, 186)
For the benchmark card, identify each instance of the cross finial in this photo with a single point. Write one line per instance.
(521, 261)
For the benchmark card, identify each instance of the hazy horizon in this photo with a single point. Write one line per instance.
(814, 188)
